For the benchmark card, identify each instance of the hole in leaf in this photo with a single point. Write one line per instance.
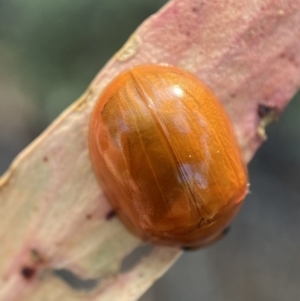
(264, 110)
(134, 257)
(74, 281)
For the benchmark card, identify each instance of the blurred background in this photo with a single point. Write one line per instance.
(49, 53)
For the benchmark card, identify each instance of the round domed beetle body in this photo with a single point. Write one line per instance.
(165, 154)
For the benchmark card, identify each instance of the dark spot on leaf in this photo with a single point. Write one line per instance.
(264, 110)
(28, 272)
(36, 256)
(291, 59)
(196, 9)
(110, 215)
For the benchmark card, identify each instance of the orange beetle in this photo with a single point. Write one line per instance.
(164, 152)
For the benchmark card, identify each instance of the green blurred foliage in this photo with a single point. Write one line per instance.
(61, 45)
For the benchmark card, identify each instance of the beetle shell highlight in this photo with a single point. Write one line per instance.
(164, 152)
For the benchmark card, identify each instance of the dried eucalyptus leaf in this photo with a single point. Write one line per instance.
(55, 222)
